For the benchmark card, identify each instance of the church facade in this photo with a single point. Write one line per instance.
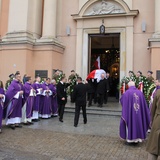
(40, 36)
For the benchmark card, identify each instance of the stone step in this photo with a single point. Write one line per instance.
(96, 111)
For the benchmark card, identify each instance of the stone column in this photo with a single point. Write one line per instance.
(35, 17)
(49, 19)
(24, 22)
(18, 15)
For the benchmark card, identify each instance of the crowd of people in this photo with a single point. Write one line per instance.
(26, 101)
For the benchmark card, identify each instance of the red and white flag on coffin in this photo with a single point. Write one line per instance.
(96, 74)
(97, 63)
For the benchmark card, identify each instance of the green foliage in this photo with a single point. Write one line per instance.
(148, 87)
(58, 78)
(8, 82)
(73, 79)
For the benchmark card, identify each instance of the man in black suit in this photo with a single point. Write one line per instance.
(79, 97)
(91, 92)
(101, 89)
(107, 79)
(61, 97)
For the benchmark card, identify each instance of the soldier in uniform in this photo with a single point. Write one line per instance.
(149, 77)
(72, 78)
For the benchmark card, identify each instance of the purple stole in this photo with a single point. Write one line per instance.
(29, 99)
(46, 100)
(37, 100)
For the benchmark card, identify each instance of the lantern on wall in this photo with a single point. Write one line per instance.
(102, 28)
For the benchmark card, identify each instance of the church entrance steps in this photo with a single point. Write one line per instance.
(109, 109)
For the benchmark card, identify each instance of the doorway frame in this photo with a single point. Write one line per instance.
(123, 55)
(90, 36)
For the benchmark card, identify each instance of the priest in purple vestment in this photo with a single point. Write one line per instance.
(37, 100)
(2, 100)
(135, 117)
(29, 94)
(46, 110)
(54, 98)
(14, 102)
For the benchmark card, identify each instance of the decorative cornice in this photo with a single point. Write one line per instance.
(133, 13)
(104, 8)
(27, 39)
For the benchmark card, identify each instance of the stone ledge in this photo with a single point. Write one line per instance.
(23, 38)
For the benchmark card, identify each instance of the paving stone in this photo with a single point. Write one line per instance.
(53, 140)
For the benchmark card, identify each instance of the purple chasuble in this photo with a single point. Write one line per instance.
(37, 100)
(135, 117)
(14, 105)
(54, 100)
(46, 100)
(1, 106)
(29, 100)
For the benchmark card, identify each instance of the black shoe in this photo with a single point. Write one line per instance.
(55, 115)
(25, 123)
(30, 123)
(18, 126)
(75, 125)
(85, 122)
(35, 120)
(12, 126)
(61, 120)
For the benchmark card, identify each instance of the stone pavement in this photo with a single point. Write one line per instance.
(53, 140)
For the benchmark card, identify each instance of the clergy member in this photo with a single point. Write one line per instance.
(135, 117)
(46, 99)
(14, 101)
(37, 101)
(2, 100)
(29, 94)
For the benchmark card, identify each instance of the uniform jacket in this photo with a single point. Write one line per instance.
(153, 144)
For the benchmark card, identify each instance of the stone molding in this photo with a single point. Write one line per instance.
(104, 8)
(23, 37)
